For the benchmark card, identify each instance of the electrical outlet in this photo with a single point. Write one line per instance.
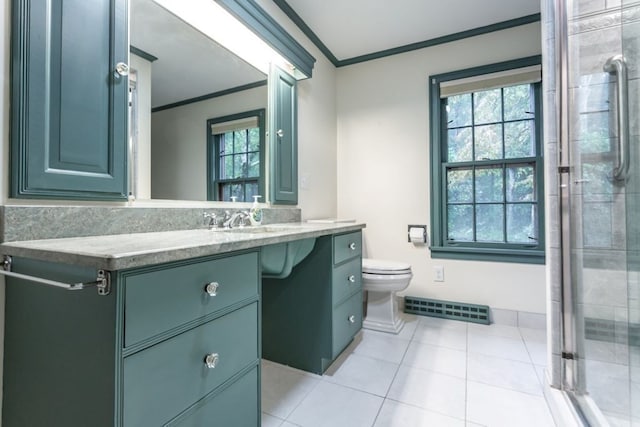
(438, 273)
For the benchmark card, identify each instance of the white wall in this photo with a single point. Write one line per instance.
(317, 156)
(383, 166)
(142, 68)
(179, 143)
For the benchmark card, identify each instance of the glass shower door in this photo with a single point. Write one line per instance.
(604, 77)
(631, 52)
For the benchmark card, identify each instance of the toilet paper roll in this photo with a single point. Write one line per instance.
(417, 235)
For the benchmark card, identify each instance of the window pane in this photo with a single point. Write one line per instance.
(254, 139)
(226, 167)
(519, 139)
(521, 223)
(237, 190)
(521, 184)
(518, 102)
(225, 192)
(459, 110)
(489, 223)
(251, 190)
(459, 145)
(489, 184)
(487, 106)
(460, 222)
(459, 186)
(228, 142)
(489, 142)
(240, 165)
(254, 165)
(240, 141)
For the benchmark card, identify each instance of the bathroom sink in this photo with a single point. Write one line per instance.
(260, 229)
(279, 259)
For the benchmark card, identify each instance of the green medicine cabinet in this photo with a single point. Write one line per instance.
(69, 91)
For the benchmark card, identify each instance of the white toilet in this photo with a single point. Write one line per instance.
(382, 279)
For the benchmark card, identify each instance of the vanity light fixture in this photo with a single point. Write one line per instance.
(213, 20)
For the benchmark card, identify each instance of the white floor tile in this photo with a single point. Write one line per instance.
(271, 421)
(529, 334)
(411, 321)
(380, 345)
(439, 359)
(537, 352)
(362, 373)
(284, 388)
(396, 414)
(511, 374)
(495, 329)
(541, 371)
(451, 337)
(439, 323)
(429, 390)
(332, 405)
(496, 407)
(505, 348)
(289, 424)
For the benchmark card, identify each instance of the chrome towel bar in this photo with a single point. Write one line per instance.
(102, 282)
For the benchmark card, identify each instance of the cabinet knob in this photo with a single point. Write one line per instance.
(122, 69)
(211, 360)
(352, 319)
(280, 133)
(352, 278)
(212, 289)
(352, 246)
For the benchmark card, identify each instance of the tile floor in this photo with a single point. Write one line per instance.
(434, 373)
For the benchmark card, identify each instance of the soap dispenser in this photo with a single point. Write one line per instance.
(255, 214)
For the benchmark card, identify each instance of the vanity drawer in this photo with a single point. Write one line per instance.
(236, 405)
(346, 246)
(167, 378)
(347, 279)
(161, 299)
(347, 321)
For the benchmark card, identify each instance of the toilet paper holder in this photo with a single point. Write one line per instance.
(422, 233)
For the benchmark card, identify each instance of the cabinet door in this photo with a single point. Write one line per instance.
(283, 137)
(69, 121)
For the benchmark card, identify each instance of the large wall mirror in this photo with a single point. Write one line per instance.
(181, 79)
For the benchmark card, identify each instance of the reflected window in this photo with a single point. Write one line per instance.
(236, 156)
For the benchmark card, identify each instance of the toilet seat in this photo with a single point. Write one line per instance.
(384, 267)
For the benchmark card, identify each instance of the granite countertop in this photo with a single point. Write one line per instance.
(121, 251)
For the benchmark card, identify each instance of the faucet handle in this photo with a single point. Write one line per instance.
(212, 217)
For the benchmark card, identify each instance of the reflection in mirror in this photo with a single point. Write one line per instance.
(235, 156)
(180, 80)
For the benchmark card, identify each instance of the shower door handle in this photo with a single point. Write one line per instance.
(618, 65)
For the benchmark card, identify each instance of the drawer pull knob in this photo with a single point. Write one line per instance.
(352, 278)
(352, 246)
(211, 360)
(352, 319)
(212, 289)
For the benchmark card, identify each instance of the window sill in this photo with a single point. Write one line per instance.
(521, 256)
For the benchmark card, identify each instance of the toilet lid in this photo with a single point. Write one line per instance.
(381, 266)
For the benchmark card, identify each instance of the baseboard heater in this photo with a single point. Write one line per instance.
(447, 309)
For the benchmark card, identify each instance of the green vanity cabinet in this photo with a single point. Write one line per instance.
(165, 347)
(68, 102)
(311, 316)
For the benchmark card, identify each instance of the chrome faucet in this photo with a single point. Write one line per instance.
(212, 219)
(237, 219)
